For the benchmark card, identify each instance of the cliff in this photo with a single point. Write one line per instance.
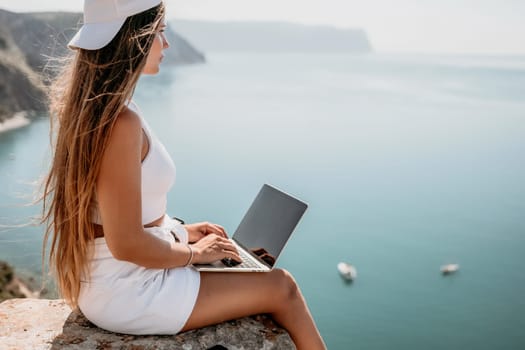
(21, 89)
(41, 35)
(28, 40)
(50, 324)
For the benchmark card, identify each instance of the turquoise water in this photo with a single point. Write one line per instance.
(407, 163)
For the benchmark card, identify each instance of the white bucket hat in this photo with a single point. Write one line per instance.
(103, 19)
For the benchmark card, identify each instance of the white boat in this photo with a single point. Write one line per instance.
(347, 271)
(449, 268)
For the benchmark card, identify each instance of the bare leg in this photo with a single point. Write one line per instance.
(226, 296)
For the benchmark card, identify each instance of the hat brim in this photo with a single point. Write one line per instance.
(94, 36)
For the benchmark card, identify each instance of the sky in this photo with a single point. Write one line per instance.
(393, 26)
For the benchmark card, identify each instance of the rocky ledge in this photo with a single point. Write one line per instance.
(50, 324)
(12, 286)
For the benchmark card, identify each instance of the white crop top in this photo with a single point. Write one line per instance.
(158, 176)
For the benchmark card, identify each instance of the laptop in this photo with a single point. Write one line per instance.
(263, 232)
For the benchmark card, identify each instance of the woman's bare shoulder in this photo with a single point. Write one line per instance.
(128, 120)
(126, 132)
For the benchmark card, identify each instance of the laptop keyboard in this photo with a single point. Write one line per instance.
(247, 260)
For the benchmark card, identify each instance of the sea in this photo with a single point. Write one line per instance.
(407, 162)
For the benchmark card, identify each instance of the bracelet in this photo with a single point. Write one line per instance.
(188, 263)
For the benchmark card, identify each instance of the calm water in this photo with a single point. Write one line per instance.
(407, 162)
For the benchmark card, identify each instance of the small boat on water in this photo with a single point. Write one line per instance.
(347, 271)
(449, 268)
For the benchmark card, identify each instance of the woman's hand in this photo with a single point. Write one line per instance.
(201, 229)
(213, 247)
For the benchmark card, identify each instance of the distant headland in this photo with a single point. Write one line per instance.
(274, 37)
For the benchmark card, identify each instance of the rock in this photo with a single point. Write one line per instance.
(21, 88)
(50, 324)
(10, 286)
(40, 36)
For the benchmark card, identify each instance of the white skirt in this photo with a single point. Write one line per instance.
(126, 298)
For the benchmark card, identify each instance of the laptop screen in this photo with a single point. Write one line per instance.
(269, 223)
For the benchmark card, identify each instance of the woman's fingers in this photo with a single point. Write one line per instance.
(199, 230)
(217, 229)
(214, 247)
(232, 252)
(233, 255)
(206, 228)
(226, 245)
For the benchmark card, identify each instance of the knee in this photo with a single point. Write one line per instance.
(287, 290)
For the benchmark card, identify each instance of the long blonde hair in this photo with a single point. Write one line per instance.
(85, 100)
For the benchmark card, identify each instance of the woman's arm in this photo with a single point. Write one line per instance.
(119, 200)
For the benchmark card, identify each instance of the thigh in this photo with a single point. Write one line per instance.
(230, 295)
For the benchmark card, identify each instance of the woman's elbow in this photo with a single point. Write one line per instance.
(122, 250)
(122, 255)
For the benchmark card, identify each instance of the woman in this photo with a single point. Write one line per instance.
(115, 252)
